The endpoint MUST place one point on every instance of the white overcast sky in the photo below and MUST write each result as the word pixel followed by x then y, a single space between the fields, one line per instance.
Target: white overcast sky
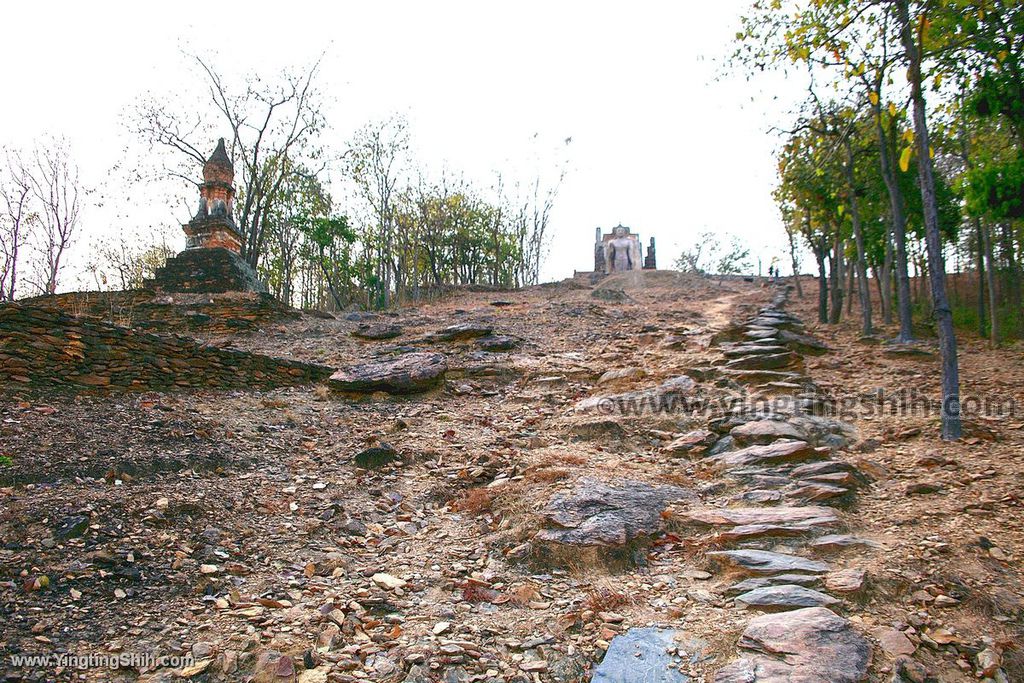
pixel 657 142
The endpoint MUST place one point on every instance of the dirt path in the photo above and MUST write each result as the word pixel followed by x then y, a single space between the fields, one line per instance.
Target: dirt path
pixel 235 531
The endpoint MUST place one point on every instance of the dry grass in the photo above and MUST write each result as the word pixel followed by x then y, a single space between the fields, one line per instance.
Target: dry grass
pixel 474 501
pixel 604 599
pixel 547 475
pixel 271 402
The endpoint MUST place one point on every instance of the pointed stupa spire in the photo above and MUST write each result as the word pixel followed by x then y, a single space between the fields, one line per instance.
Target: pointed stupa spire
pixel 218 168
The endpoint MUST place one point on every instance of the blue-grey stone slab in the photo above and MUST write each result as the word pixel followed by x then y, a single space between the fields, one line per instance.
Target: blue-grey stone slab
pixel 641 655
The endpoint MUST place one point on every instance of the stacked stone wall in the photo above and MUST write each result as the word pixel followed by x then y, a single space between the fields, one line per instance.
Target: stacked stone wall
pixel 145 309
pixel 46 347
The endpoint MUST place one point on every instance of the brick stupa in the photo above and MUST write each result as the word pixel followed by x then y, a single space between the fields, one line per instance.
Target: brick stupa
pixel 211 261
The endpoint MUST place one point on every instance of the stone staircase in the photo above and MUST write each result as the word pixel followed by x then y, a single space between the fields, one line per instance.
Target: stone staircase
pixel 780 512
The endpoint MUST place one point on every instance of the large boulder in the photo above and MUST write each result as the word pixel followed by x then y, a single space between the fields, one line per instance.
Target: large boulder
pixel 812 645
pixel 604 523
pixel 669 397
pixel 408 374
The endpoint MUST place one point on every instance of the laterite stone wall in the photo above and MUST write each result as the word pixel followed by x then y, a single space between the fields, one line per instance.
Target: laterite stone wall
pixel 46 347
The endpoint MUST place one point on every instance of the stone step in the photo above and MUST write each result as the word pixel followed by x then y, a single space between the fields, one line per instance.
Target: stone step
pixel 784 597
pixel 819 645
pixel 766 562
pixel 778 452
pixel 755 582
pixel 771 361
pixel 803 515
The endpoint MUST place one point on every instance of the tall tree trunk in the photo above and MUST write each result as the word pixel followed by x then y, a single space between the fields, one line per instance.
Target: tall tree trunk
pixel 885 282
pixel 951 426
pixel 858 238
pixel 1013 272
pixel 851 283
pixel 990 281
pixel 819 256
pixel 979 245
pixel 899 230
pixel 836 279
pixel 793 261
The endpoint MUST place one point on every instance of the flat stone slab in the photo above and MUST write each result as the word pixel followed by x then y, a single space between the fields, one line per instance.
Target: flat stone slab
pixel 765 432
pixel 667 398
pixel 762 376
pixel 756 582
pixel 815 469
pixel 814 492
pixel 802 343
pixel 377 332
pixel 766 562
pixel 408 374
pixel 808 515
pixel 774 453
pixel 760 333
pixel 811 645
pixel 698 439
pixel 622 373
pixel 462 331
pixel 784 597
pixel 841 541
pixel 498 343
pixel 779 322
pixel 750 532
pixel 641 655
pixel 849 580
pixel 771 361
pixel 741 350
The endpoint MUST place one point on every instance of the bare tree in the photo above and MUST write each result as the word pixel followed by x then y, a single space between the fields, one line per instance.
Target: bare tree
pixel 693 260
pixel 272 125
pixel 375 163
pixel 131 259
pixel 18 221
pixel 53 178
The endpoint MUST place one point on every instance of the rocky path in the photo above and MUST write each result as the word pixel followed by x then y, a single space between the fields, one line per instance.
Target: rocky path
pixel 770 509
pixel 552 486
pixel 788 469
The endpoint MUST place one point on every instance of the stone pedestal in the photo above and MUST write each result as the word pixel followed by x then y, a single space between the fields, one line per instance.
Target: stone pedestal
pixel 212 269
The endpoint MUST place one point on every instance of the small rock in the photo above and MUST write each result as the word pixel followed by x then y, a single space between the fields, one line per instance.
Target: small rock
pixel 894 642
pixel 377 456
pixel 922 488
pixel 72 527
pixel 388 582
pixel 849 580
